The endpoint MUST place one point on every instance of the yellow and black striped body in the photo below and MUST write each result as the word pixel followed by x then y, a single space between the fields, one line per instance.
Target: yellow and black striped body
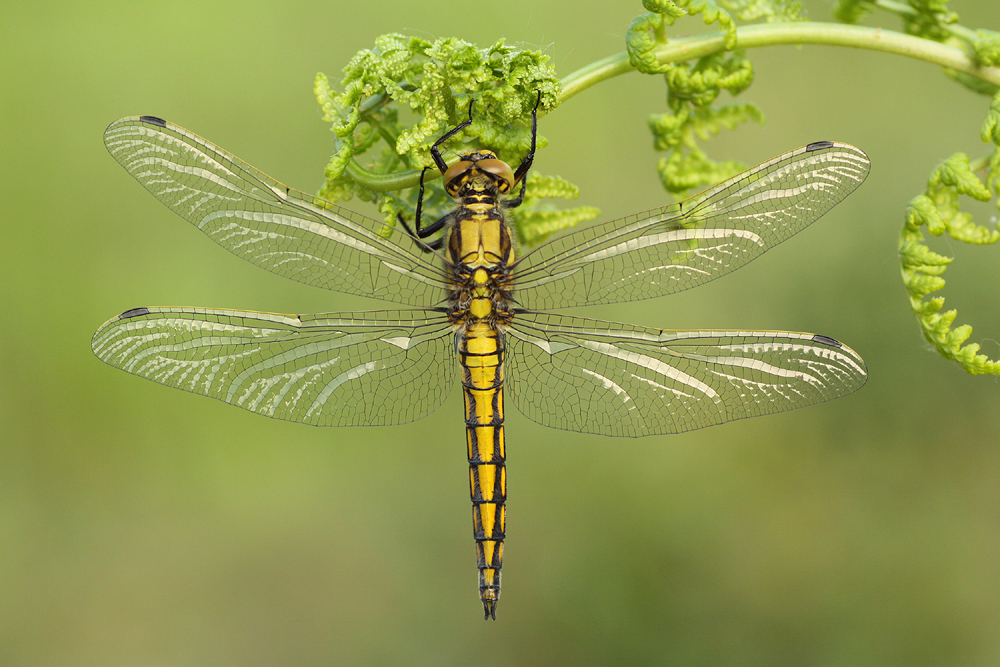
pixel 480 250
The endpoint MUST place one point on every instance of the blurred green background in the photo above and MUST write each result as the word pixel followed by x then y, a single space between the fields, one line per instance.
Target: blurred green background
pixel 144 526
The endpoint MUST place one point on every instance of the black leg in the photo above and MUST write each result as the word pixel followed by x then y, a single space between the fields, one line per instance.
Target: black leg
pixel 424 232
pixel 514 203
pixel 426 247
pixel 420 202
pixel 435 226
pixel 522 169
pixel 421 231
pixel 438 160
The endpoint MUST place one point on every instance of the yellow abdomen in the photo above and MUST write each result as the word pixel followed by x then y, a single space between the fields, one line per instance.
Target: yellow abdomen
pixel 481 354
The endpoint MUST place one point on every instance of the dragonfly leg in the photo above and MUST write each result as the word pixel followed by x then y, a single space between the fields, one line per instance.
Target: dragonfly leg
pixel 438 160
pixel 424 232
pixel 522 169
pixel 514 203
pixel 426 247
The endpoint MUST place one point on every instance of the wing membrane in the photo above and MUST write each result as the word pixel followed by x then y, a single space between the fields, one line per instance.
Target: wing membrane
pixel 261 220
pixel 623 380
pixel 690 243
pixel 342 369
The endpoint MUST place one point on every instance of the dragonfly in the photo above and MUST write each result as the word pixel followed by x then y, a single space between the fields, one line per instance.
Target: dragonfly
pixel 477 312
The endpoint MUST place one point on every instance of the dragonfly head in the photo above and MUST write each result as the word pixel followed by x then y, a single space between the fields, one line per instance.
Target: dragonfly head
pixel 481 171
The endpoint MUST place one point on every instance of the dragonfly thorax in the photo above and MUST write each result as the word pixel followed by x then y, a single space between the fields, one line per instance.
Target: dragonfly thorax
pixel 480 247
pixel 481 296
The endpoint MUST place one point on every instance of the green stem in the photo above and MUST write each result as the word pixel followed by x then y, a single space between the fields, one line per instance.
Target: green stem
pixel 748 37
pixel 780 34
pixel 396 180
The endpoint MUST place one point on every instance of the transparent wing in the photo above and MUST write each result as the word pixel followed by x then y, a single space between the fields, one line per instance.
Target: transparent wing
pixel 342 369
pixel 618 379
pixel 285 231
pixel 692 242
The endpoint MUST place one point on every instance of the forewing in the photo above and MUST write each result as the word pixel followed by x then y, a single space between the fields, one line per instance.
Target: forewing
pixel 692 242
pixel 342 369
pixel 623 380
pixel 285 231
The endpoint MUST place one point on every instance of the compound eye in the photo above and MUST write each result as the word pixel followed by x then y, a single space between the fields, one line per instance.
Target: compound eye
pixel 455 172
pixel 501 169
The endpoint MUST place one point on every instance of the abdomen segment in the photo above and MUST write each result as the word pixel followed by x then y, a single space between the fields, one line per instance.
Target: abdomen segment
pixel 481 351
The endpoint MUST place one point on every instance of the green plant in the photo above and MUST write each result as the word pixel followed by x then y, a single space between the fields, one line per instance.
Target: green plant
pixel 404 92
